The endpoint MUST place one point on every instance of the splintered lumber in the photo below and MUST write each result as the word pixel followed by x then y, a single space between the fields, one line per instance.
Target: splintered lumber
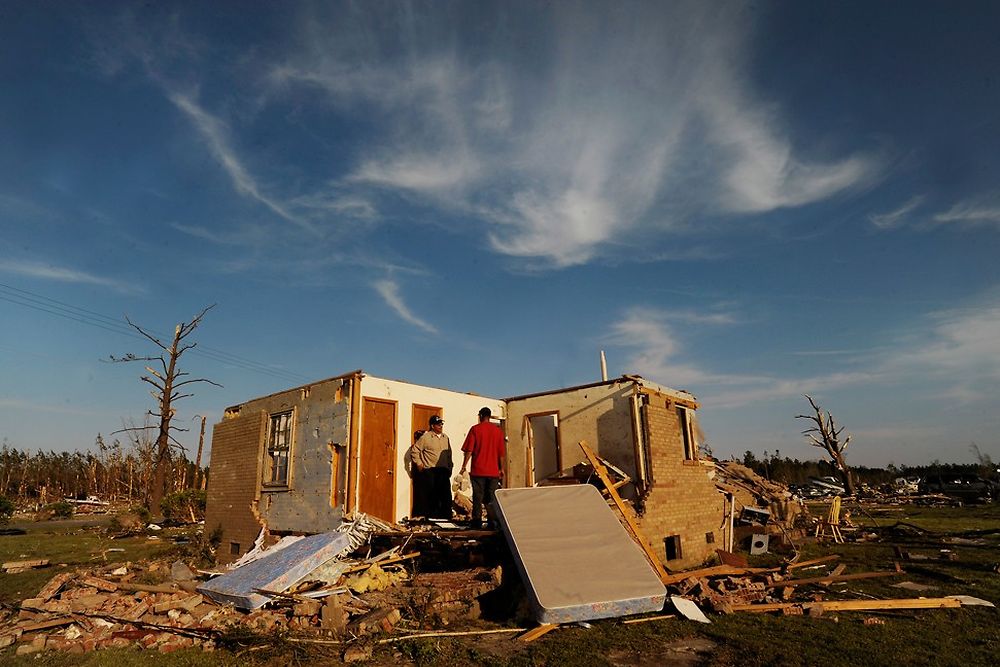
pixel 837 571
pixel 360 567
pixel 45 625
pixel 626 512
pixel 853 605
pixel 534 633
pixel 807 563
pixel 647 619
pixel 714 571
pixel 830 579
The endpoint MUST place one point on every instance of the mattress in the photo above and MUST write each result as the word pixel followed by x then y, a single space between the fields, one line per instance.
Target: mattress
pixel 576 559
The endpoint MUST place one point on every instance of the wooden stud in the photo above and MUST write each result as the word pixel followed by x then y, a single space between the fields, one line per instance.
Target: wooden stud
pixel 534 633
pixel 625 512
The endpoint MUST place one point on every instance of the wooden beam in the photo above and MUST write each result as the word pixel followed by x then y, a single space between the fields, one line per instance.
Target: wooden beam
pixel 853 605
pixel 625 512
pixel 873 605
pixel 534 633
pixel 814 561
pixel 714 571
pixel 830 579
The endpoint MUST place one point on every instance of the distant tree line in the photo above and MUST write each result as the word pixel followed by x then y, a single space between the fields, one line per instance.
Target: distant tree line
pixel 117 473
pixel 787 470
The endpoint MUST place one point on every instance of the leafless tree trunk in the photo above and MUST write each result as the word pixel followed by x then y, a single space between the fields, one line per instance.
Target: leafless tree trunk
pixel 167 383
pixel 826 435
pixel 196 479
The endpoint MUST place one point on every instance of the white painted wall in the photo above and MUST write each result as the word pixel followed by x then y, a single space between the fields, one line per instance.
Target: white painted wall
pixel 460 412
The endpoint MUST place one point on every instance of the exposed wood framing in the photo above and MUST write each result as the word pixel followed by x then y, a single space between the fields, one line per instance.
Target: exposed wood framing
pixel 624 511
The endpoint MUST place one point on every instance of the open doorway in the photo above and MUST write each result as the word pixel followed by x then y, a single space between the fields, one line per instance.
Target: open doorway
pixel 543 443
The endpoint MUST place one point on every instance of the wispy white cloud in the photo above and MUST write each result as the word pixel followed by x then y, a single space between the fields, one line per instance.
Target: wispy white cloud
pixel 63 274
pixel 896 217
pixel 389 291
pixel 628 125
pixel 956 358
pixel 974 212
pixel 215 134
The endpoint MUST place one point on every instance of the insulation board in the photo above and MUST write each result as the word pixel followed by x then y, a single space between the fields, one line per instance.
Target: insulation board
pixel 577 561
pixel 274 572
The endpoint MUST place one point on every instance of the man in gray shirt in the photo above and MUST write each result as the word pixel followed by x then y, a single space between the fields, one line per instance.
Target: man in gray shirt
pixel 432 461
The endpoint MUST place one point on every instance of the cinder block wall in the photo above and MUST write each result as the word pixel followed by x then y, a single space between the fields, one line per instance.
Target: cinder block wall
pixel 683 500
pixel 233 484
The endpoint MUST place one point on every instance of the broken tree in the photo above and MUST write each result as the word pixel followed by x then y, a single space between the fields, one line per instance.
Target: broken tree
pixel 167 385
pixel 826 435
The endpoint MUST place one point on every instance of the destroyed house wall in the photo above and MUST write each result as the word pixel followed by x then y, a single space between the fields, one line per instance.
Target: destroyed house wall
pixel 459 410
pixel 683 510
pixel 233 486
pixel 600 414
pixel 312 499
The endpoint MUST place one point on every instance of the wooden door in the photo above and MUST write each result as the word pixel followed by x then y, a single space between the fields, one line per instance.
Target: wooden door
pixel 422 415
pixel 378 458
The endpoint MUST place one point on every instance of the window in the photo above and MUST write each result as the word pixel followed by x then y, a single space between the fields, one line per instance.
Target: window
pixel 686 424
pixel 279 442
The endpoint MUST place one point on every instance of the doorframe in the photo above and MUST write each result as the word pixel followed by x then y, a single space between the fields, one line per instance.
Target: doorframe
pixel 395 447
pixel 531 442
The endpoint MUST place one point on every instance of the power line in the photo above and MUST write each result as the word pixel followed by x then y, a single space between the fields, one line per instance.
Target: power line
pixel 57 308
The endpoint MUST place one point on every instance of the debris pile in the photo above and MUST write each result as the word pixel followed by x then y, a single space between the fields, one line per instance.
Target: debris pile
pixel 342 598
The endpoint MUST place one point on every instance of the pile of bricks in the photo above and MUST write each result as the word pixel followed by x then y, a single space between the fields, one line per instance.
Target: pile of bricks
pixel 83 611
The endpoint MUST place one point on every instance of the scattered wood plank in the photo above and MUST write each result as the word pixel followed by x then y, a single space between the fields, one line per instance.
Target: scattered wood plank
pixel 534 633
pixel 658 617
pixel 714 571
pixel 829 579
pixel 360 567
pixel 852 605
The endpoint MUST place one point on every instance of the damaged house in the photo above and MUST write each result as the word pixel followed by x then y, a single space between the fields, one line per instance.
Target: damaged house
pixel 298 460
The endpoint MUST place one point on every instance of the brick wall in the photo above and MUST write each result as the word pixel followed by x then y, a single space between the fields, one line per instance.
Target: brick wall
pixel 234 483
pixel 683 500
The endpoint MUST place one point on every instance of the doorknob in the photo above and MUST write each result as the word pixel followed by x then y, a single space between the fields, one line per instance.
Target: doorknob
pixel 389 471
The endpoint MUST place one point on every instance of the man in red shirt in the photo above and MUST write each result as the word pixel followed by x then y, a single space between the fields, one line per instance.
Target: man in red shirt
pixel 485 447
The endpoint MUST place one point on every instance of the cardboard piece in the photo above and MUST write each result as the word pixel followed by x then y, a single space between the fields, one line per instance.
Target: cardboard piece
pixel 575 557
pixel 274 572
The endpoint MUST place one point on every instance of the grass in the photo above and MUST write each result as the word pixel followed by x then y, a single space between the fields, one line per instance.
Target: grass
pixel 68 545
pixel 965 636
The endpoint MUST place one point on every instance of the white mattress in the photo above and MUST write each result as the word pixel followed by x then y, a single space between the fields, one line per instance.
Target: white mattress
pixel 576 559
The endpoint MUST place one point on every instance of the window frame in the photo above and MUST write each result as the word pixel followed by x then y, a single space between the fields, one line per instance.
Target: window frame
pixel 686 425
pixel 268 481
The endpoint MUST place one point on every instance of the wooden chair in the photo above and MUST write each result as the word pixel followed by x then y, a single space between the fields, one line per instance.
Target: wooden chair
pixel 831 523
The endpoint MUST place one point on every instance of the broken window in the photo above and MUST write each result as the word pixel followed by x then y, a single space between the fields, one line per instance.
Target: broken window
pixel 686 422
pixel 279 442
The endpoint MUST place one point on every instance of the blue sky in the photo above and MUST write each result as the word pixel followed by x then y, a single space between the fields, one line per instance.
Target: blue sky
pixel 747 201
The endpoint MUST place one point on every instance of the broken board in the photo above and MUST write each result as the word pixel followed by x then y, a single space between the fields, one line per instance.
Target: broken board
pixel 577 561
pixel 274 572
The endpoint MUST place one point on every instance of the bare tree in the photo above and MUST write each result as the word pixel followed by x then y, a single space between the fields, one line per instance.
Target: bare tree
pixel 826 435
pixel 167 382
